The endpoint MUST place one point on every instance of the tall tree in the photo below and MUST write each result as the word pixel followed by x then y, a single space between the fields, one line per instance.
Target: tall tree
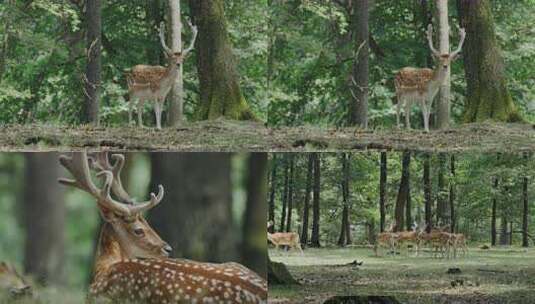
pixel 254 245
pixel 403 192
pixel 291 182
pixel 44 218
pixel 220 90
pixel 427 192
pixel 359 106
pixel 93 67
pixel 315 240
pixel 382 191
pixel 284 193
pixel 487 94
pixel 442 203
pixel 525 208
pixel 176 104
pixel 408 210
pixel 452 194
pixel 202 202
pixel 443 105
pixel 493 214
pixel 272 192
pixel 345 236
pixel 306 206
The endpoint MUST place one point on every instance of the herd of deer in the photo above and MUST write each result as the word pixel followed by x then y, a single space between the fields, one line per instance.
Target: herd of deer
pixel 443 244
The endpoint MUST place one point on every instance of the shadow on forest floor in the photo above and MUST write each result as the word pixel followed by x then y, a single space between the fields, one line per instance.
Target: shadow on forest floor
pixel 503 275
pixel 222 135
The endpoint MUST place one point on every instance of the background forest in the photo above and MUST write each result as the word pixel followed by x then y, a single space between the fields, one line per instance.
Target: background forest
pixel 312 46
pixel 49 230
pixel 348 198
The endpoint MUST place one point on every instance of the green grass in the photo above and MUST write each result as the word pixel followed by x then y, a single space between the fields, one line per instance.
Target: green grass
pixel 504 275
pixel 50 295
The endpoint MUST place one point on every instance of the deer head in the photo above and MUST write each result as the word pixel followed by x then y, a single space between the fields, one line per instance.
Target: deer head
pixel 444 60
pixel 133 234
pixel 177 58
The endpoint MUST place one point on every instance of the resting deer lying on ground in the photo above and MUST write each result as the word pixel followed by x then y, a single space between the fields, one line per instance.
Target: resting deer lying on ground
pixel 132 264
pixel 416 85
pixel 12 283
pixel 290 239
pixel 147 82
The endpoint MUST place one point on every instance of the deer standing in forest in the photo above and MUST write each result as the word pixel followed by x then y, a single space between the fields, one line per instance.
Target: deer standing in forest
pixel 147 82
pixel 421 85
pixel 12 283
pixel 132 263
pixel 290 239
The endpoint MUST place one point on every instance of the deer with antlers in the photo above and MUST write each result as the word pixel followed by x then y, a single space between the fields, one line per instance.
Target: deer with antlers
pixel 290 239
pixel 153 83
pixel 421 85
pixel 132 262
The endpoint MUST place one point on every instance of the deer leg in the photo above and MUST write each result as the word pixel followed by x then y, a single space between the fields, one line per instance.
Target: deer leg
pixel 398 110
pixel 130 109
pixel 158 113
pixel 425 113
pixel 408 114
pixel 140 105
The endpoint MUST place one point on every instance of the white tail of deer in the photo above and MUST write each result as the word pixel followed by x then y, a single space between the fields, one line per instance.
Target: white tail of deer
pixel 147 82
pixel 416 85
pixel 290 239
pixel 132 263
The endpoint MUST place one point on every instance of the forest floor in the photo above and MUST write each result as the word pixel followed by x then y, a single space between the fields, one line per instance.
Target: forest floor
pixel 48 295
pixel 502 275
pixel 222 135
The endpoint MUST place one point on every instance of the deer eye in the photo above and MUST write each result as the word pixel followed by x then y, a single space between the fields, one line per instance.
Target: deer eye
pixel 139 232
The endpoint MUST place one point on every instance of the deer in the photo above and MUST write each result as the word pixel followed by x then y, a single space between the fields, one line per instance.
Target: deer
pixel 147 82
pixel 132 263
pixel 440 241
pixel 421 85
pixel 386 240
pixel 290 239
pixel 12 283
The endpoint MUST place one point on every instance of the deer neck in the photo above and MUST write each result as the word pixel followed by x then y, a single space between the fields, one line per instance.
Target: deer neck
pixel 171 74
pixel 439 74
pixel 109 250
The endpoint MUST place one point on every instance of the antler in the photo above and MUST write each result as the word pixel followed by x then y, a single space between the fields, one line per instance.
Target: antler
pixel 79 167
pixel 167 50
pixel 430 40
pixel 194 31
pixel 462 33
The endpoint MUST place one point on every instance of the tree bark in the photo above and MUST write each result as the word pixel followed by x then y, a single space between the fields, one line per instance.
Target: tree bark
pixel 359 108
pixel 525 208
pixel 44 218
pixel 487 93
pixel 254 245
pixel 442 203
pixel 408 209
pixel 306 207
pixel 176 98
pixel 382 191
pixel 443 105
pixel 344 229
pixel 403 192
pixel 284 193
pixel 220 92
pixel 291 182
pixel 493 216
pixel 427 193
pixel 452 194
pixel 272 192
pixel 315 240
pixel 197 203
pixel 93 68
pixel 504 240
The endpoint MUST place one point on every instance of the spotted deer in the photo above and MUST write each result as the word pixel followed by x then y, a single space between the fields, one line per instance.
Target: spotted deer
pixel 12 284
pixel 147 82
pixel 421 85
pixel 132 263
pixel 290 239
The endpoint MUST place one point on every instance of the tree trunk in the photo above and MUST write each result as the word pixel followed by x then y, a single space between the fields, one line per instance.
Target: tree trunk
pixel 44 218
pixel 93 68
pixel 427 193
pixel 220 93
pixel 284 193
pixel 487 93
pixel 347 180
pixel 493 216
pixel 197 203
pixel 359 108
pixel 306 207
pixel 291 183
pixel 503 232
pixel 254 249
pixel 442 203
pixel 525 209
pixel 403 192
pixel 408 209
pixel 382 190
pixel 443 105
pixel 344 238
pixel 176 99
pixel 153 10
pixel 272 192
pixel 315 240
pixel 452 194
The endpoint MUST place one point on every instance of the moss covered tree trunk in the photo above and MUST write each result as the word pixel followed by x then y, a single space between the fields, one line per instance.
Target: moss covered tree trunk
pixel 487 93
pixel 218 76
